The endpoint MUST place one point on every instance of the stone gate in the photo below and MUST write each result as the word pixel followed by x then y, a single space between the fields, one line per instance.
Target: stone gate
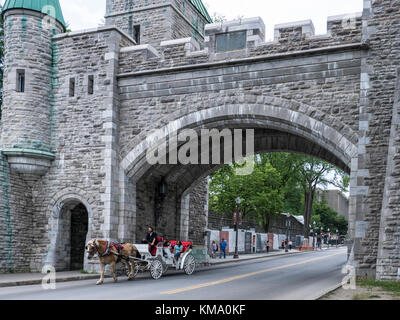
pixel 80 109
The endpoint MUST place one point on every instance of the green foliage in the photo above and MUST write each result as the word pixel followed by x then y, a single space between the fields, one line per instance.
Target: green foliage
pixel 391 286
pixel 260 192
pixel 217 18
pixel 327 218
pixel 280 182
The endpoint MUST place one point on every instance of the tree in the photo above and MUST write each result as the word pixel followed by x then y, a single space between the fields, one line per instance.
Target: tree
pixel 296 181
pixel 327 218
pixel 218 18
pixel 259 192
pixel 287 165
pixel 268 200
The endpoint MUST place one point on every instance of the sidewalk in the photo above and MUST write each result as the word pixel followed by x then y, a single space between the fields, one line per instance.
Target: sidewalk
pixel 246 257
pixel 23 279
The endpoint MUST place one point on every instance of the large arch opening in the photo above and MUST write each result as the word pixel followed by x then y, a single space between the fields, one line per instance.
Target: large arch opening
pixel 182 211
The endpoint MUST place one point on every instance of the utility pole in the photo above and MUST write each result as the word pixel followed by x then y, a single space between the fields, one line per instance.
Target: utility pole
pixel 236 255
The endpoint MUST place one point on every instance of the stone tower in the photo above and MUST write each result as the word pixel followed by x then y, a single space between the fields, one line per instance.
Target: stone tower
pixel 27 109
pixel 150 22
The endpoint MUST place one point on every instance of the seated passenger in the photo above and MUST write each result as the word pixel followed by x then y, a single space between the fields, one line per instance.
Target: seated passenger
pixel 178 249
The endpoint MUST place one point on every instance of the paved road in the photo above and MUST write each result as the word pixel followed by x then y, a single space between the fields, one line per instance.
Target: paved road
pixel 300 276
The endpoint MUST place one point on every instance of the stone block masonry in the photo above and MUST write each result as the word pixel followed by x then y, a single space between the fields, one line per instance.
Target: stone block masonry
pixel 78 136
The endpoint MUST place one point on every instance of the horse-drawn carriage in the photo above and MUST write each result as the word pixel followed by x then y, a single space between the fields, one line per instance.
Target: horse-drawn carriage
pixel 161 258
pixel 137 257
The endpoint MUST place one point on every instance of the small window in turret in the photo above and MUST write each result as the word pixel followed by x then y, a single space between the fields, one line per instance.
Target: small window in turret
pixel 20 80
pixel 72 87
pixel 90 84
pixel 136 34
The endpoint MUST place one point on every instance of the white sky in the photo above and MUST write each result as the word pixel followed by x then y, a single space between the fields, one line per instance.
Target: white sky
pixel 84 14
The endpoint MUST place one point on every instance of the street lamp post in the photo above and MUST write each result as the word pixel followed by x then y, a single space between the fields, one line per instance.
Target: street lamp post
pixel 236 255
pixel 314 238
pixel 329 237
pixel 287 233
pixel 337 238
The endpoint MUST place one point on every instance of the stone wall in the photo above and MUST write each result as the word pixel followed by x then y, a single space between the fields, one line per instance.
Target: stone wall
pixel 198 213
pixel 164 213
pixel 380 144
pixel 331 96
pixel 84 141
pixel 16 221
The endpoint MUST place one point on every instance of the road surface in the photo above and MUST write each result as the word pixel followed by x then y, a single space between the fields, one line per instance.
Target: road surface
pixel 298 276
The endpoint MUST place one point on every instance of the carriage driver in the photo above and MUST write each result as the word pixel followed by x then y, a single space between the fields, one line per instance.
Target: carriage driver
pixel 151 238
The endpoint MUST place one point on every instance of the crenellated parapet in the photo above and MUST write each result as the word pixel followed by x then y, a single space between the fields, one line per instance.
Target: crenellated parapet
pixel 240 39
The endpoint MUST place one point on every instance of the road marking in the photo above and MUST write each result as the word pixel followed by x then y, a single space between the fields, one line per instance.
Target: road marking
pixel 213 283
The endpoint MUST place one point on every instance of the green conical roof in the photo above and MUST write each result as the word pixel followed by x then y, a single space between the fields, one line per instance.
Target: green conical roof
pixel 37 5
pixel 200 6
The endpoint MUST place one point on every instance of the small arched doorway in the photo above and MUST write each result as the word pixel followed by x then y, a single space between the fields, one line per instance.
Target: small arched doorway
pixel 70 230
pixel 79 229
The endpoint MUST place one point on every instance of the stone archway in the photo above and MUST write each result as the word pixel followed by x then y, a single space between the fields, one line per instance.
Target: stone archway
pixel 70 225
pixel 276 129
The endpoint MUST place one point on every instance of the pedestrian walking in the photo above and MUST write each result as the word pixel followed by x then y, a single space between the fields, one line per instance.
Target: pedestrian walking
pixel 290 245
pixel 214 248
pixel 267 245
pixel 319 242
pixel 223 246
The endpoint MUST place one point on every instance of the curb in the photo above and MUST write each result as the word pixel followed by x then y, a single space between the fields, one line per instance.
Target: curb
pixel 333 288
pixel 39 281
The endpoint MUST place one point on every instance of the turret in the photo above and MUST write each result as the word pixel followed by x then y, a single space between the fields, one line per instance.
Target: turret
pixel 27 111
pixel 158 20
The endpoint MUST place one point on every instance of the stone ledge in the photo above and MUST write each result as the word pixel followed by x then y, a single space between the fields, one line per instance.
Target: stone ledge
pixel 28 153
pixel 188 42
pixel 351 46
pixel 150 50
pixel 30 163
pixel 93 30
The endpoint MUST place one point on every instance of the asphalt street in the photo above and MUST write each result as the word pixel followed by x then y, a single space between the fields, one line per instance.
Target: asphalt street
pixel 301 276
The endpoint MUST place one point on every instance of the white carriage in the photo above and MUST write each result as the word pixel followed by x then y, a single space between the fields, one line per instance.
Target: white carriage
pixel 161 259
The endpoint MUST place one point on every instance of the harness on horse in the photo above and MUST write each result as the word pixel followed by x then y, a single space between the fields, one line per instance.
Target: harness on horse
pixel 108 250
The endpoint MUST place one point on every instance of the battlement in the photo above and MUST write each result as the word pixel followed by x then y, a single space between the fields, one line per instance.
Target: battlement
pixel 240 39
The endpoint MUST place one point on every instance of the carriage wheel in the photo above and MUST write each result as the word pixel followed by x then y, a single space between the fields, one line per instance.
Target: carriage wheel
pixel 164 265
pixel 156 269
pixel 165 269
pixel 189 265
pixel 135 270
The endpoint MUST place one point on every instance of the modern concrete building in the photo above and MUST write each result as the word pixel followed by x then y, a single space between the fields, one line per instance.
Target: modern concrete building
pixel 336 200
